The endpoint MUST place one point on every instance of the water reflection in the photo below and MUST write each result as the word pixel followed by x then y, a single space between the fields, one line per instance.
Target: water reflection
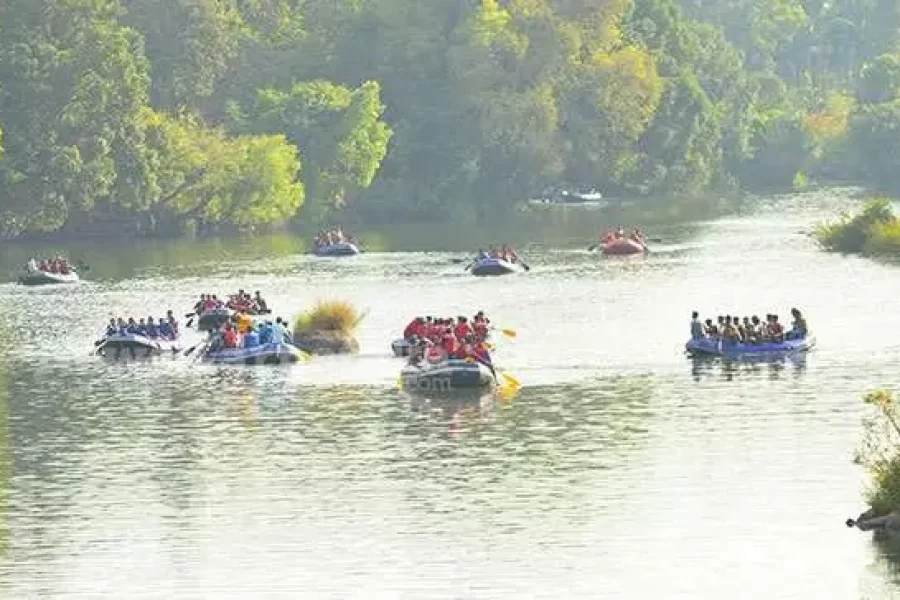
pixel 773 367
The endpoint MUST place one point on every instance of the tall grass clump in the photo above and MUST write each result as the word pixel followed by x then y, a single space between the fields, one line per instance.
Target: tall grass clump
pixel 334 316
pixel 879 453
pixel 875 230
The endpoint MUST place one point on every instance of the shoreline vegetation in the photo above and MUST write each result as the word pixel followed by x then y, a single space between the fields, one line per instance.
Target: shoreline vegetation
pixel 879 454
pixel 875 230
pixel 202 117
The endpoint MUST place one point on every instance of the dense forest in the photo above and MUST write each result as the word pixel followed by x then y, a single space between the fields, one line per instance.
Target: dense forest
pixel 172 116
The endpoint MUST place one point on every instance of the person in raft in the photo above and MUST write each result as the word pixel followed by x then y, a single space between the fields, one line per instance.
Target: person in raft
pixel 748 330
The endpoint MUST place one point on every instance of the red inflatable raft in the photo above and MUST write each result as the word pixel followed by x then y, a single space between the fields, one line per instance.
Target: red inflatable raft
pixel 622 247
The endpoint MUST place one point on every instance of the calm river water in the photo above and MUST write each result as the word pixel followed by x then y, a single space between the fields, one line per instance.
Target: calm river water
pixel 621 470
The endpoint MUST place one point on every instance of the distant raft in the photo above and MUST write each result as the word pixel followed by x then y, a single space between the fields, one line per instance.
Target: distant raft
pixel 710 347
pixel 48 278
pixel 340 249
pixel 132 345
pixel 447 376
pixel 622 247
pixel 495 266
pixel 266 354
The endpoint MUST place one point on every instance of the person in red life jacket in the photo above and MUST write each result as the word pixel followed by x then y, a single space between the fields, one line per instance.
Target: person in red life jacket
pixel 415 329
pixel 435 354
pixel 463 329
pixel 451 345
pixel 230 336
pixel 480 326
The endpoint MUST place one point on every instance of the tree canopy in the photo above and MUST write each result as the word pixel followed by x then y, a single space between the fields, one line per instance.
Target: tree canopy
pixel 166 116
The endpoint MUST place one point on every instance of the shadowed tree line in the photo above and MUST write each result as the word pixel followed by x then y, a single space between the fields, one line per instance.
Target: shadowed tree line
pixel 176 116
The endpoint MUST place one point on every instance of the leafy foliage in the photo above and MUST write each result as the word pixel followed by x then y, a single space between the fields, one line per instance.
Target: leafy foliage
pixel 193 114
pixel 879 452
pixel 875 230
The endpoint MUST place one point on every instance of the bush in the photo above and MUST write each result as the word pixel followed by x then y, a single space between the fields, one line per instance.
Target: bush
pixel 337 316
pixel 880 453
pixel 875 230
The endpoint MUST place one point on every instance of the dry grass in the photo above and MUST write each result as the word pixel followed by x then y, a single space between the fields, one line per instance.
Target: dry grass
pixel 334 315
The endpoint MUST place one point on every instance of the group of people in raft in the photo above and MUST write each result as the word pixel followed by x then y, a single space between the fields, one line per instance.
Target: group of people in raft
pixel 504 253
pixel 335 235
pixel 52 265
pixel 166 328
pixel 636 235
pixel 241 302
pixel 242 332
pixel 749 330
pixel 435 339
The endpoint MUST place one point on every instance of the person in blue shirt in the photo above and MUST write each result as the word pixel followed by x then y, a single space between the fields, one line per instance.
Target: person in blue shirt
pixel 251 339
pixel 165 330
pixel 132 326
pixel 277 333
pixel 265 333
pixel 285 332
pixel 151 330
pixel 112 328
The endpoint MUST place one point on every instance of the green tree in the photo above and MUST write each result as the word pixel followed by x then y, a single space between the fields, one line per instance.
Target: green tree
pixel 339 130
pixel 73 82
pixel 189 44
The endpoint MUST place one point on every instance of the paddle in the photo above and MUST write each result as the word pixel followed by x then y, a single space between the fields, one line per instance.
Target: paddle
pixel 511 380
pixel 190 350
pixel 507 332
pixel 524 264
pixel 80 265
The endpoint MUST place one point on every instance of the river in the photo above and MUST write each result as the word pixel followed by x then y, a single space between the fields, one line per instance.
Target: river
pixel 621 469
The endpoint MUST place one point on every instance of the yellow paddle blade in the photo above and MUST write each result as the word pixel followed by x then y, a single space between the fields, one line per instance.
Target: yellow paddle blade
pixel 306 355
pixel 400 382
pixel 509 332
pixel 490 346
pixel 511 380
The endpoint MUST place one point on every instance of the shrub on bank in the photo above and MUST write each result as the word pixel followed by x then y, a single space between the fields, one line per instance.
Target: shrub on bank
pixel 880 453
pixel 875 230
pixel 336 316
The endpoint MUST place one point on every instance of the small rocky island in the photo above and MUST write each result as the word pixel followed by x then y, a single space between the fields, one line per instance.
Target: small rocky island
pixel 328 328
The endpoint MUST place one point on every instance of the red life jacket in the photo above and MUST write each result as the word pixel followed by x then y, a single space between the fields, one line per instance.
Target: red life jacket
pixel 463 330
pixel 411 330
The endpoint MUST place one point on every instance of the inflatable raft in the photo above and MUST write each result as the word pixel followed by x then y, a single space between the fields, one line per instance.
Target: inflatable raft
pixel 213 319
pixel 710 347
pixel 47 278
pixel 447 376
pixel 495 266
pixel 267 354
pixel 622 247
pixel 129 345
pixel 342 249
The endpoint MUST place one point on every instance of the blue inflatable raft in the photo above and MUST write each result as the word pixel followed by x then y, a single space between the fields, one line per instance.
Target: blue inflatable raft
pixel 130 345
pixel 495 266
pixel 342 249
pixel 447 376
pixel 267 354
pixel 711 347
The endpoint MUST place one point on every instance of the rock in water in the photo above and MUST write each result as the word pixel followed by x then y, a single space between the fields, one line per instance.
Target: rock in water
pixel 325 342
